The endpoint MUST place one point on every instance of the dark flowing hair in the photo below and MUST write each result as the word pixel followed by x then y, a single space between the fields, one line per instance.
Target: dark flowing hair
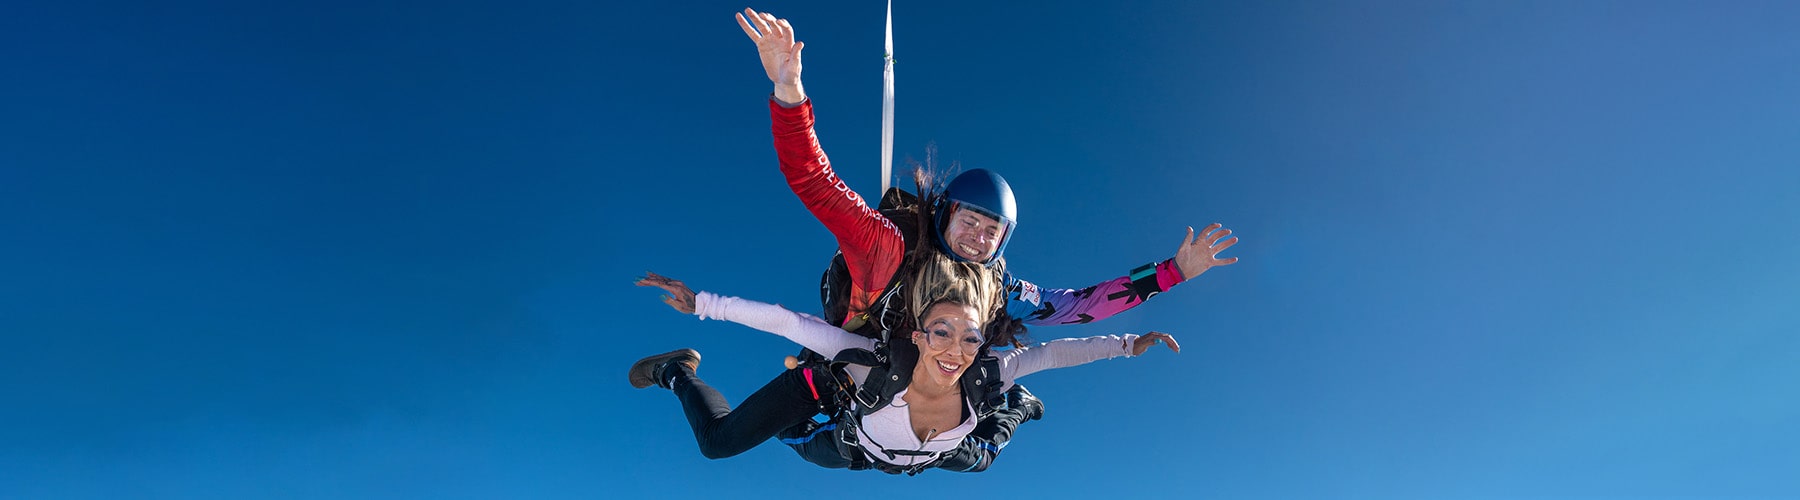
pixel 938 278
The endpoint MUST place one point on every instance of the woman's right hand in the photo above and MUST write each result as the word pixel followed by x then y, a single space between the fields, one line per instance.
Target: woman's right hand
pixel 680 296
pixel 779 51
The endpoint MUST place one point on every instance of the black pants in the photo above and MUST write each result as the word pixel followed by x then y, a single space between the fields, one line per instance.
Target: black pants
pixel 724 432
pixel 785 406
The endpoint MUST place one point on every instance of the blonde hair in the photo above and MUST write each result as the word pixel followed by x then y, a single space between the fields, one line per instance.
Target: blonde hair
pixel 937 279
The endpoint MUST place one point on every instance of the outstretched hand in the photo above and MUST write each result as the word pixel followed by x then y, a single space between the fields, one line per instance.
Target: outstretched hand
pixel 1197 254
pixel 1144 342
pixel 779 51
pixel 680 296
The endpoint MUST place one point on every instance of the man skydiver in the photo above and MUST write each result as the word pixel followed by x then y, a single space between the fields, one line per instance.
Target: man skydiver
pixel 972 221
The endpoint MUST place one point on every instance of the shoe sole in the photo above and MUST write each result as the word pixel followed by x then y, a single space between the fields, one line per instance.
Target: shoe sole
pixel 646 366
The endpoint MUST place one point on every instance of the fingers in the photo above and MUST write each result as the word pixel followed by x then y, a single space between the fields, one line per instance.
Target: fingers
pixel 1170 340
pixel 1215 235
pixel 1211 234
pixel 770 25
pixel 650 279
pixel 1214 244
pixel 763 27
pixel 682 306
pixel 745 24
pixel 663 282
pixel 762 20
pixel 1163 338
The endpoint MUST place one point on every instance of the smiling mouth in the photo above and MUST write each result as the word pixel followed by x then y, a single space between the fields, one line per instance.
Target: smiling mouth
pixel 969 250
pixel 948 368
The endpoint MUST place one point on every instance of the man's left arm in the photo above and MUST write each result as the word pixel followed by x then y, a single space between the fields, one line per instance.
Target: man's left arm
pixel 1062 306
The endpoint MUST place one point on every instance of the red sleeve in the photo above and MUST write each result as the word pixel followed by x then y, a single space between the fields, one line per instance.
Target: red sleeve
pixel 872 246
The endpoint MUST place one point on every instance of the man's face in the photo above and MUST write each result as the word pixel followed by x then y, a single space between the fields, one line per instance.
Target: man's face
pixel 972 235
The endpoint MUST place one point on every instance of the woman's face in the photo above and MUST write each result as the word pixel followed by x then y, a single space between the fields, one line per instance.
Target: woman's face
pixel 947 342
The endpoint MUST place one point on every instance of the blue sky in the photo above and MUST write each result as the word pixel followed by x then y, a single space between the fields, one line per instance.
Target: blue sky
pixel 384 249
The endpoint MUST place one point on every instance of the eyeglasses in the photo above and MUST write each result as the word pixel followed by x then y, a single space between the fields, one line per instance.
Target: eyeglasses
pixel 941 335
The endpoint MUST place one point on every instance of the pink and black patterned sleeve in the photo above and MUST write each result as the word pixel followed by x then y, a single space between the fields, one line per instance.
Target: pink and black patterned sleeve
pixel 1063 306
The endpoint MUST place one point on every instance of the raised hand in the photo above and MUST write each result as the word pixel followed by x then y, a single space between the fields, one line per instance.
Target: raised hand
pixel 1197 254
pixel 680 296
pixel 779 51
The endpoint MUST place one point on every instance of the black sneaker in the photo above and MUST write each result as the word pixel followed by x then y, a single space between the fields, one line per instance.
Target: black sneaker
pixel 1022 400
pixel 649 371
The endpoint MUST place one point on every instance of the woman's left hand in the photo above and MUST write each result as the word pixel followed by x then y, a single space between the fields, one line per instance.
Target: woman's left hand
pixel 1144 342
pixel 680 296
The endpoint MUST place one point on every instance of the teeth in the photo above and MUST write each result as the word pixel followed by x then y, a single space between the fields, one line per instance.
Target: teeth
pixel 948 368
pixel 969 250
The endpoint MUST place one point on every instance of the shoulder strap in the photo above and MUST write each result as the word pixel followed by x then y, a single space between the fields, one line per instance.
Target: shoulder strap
pixel 899 207
pixel 887 377
pixel 834 290
pixel 981 385
pixel 895 197
pixel 884 314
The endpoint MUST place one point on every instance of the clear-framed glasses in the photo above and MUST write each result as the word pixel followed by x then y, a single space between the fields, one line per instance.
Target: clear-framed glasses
pixel 945 334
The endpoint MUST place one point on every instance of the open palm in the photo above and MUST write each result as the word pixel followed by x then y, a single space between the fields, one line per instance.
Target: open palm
pixel 775 44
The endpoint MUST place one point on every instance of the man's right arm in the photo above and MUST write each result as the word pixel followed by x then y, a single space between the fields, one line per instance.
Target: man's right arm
pixel 872 246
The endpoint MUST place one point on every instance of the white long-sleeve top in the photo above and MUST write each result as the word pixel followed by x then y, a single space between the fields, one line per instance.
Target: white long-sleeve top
pixel 891 426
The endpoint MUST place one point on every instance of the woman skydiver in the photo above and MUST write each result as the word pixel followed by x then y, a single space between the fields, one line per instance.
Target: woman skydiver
pixel 929 408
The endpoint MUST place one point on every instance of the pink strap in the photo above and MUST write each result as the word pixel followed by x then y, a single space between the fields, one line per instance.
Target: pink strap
pixel 810 385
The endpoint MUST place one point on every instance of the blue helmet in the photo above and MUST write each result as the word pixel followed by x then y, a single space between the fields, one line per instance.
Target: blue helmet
pixel 985 193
